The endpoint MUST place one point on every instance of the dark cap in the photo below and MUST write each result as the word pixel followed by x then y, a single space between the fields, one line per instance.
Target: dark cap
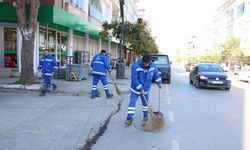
pixel 103 51
pixel 146 58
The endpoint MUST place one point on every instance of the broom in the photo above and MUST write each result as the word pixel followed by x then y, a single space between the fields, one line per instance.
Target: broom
pixel 156 121
pixel 118 91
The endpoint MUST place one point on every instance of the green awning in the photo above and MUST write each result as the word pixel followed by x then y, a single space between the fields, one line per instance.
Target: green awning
pixel 52 15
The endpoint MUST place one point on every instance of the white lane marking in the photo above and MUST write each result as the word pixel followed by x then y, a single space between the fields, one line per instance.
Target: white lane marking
pixel 168 100
pixel 175 145
pixel 167 89
pixel 171 116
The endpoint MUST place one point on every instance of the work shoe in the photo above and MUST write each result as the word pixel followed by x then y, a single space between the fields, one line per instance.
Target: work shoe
pixel 42 94
pixel 54 87
pixel 110 96
pixel 128 122
pixel 145 120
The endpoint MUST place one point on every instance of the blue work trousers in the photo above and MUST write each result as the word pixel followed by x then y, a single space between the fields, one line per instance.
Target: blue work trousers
pixel 132 104
pixel 46 83
pixel 104 81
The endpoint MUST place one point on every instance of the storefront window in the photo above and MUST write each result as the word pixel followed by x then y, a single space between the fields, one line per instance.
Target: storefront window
pixel 10 47
pixel 62 44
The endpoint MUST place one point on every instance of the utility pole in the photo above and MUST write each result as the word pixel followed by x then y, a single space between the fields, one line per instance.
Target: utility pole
pixel 120 72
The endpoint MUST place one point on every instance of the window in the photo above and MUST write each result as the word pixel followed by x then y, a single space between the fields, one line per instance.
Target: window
pixel 10 39
pixel 160 59
pixel 230 15
pixel 240 10
pixel 78 3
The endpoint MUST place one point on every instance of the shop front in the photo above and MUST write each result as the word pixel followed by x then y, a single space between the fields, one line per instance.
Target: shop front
pixel 55 41
pixel 9 46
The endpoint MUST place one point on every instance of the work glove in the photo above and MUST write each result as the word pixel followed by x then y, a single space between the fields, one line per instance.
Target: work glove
pixel 142 92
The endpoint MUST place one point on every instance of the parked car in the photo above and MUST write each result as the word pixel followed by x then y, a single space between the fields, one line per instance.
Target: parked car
pixel 209 75
pixel 163 64
pixel 244 74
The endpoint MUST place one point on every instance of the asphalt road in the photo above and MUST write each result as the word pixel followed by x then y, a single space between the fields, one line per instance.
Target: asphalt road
pixel 197 119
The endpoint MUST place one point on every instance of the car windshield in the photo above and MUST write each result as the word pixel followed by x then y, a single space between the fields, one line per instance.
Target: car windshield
pixel 210 68
pixel 160 59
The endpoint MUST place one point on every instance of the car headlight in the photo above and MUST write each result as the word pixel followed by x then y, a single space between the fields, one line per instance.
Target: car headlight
pixel 203 77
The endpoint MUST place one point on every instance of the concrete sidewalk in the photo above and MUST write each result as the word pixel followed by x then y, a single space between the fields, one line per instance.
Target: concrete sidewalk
pixel 67 119
pixel 67 87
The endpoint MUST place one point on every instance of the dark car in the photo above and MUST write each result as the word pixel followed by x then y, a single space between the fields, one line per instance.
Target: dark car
pixel 163 64
pixel 209 75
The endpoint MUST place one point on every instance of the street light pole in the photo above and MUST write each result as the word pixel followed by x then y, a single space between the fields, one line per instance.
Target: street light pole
pixel 120 72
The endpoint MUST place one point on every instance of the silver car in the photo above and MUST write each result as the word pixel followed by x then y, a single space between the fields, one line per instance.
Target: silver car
pixel 244 74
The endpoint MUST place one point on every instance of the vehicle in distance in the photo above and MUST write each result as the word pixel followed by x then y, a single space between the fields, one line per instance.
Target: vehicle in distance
pixel 209 75
pixel 163 64
pixel 244 74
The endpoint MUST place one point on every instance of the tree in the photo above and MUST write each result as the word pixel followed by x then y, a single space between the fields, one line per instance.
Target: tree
pixel 135 36
pixel 28 29
pixel 231 49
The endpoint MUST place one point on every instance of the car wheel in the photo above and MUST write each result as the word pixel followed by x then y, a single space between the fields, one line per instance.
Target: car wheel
pixel 190 81
pixel 168 81
pixel 227 89
pixel 197 84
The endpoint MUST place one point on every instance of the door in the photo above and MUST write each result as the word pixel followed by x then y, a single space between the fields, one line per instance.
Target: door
pixel 10 47
pixel 1 48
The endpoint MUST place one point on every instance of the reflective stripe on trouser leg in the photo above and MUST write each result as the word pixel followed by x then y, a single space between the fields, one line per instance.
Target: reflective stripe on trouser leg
pixel 46 83
pixel 144 105
pixel 94 86
pixel 131 106
pixel 105 84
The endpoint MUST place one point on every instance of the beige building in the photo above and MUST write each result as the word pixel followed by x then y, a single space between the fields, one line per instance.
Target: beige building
pixel 66 27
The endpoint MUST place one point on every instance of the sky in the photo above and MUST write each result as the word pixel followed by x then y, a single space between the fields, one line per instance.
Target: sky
pixel 173 21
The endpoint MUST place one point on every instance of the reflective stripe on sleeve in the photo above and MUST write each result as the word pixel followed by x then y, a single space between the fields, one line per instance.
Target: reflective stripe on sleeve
pixel 139 69
pixel 157 80
pixel 138 87
pixel 151 69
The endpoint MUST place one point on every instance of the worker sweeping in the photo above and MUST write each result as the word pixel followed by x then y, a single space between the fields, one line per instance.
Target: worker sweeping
pixel 143 72
pixel 100 64
pixel 48 65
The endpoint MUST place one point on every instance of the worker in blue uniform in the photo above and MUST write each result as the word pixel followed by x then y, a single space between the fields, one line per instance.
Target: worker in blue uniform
pixel 100 65
pixel 48 65
pixel 143 72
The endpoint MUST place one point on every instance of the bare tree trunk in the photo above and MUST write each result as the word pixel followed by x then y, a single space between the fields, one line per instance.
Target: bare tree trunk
pixel 28 30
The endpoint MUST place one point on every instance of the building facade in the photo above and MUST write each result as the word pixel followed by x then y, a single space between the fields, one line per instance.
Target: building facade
pixel 233 19
pixel 65 27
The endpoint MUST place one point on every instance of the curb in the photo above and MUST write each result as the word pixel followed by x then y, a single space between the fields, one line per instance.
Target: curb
pixel 33 87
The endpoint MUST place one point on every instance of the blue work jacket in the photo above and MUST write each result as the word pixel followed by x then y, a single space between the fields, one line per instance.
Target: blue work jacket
pixel 142 77
pixel 48 65
pixel 100 64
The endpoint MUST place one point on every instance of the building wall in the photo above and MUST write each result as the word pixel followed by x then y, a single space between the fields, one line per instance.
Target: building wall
pixel 58 3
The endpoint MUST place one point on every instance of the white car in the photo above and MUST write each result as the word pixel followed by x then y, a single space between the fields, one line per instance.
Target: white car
pixel 244 74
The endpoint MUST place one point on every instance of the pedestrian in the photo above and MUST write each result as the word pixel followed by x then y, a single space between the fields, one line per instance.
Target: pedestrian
pixel 143 72
pixel 100 65
pixel 48 65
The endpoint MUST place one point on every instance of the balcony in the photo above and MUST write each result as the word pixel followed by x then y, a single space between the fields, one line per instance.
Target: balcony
pixel 96 14
pixel 76 8
pixel 93 12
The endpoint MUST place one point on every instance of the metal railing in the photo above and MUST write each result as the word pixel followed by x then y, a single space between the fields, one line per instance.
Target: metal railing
pixel 95 13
